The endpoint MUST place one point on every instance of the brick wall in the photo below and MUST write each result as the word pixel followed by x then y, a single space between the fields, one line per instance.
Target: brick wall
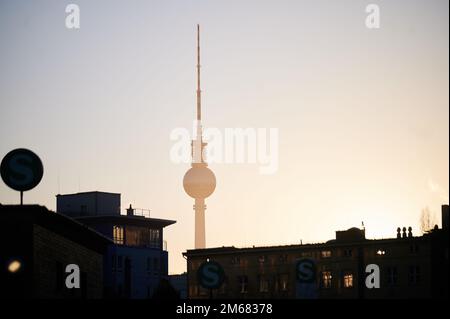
pixel 51 254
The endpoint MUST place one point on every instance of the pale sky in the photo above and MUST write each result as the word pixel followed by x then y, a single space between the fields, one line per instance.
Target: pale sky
pixel 363 114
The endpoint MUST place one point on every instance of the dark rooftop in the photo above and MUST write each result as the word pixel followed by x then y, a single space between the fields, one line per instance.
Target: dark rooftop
pixel 126 220
pixel 57 223
pixel 90 192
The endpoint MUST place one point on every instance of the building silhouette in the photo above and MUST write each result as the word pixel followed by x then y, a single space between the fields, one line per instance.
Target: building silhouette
pixel 36 246
pixel 137 260
pixel 410 267
pixel 179 283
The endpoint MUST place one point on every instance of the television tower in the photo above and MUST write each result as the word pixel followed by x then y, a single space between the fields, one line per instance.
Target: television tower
pixel 199 181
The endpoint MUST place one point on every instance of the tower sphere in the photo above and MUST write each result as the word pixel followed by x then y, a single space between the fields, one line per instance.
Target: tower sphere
pixel 199 182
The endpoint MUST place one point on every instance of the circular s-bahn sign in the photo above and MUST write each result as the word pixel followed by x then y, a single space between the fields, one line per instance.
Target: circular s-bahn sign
pixel 306 270
pixel 210 275
pixel 21 169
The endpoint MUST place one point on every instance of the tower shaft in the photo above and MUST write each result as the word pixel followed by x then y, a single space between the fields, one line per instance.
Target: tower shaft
pixel 199 208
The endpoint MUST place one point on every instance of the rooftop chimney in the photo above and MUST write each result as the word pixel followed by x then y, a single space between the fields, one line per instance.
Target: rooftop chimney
pixel 130 211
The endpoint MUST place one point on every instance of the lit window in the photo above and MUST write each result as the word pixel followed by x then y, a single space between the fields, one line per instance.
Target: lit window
pixel 263 284
pixel 118 235
pixel 348 280
pixel 284 279
pixel 326 279
pixel 243 284
pixel 325 253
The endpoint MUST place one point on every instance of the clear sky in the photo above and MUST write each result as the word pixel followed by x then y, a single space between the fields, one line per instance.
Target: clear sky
pixel 363 114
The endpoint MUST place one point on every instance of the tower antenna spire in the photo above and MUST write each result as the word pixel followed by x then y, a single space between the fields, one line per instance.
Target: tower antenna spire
pixel 199 92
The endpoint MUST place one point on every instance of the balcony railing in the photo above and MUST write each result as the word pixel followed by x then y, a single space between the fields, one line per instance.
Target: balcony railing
pixel 138 212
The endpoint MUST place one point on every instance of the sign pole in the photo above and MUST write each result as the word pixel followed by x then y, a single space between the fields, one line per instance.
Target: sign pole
pixel 21 198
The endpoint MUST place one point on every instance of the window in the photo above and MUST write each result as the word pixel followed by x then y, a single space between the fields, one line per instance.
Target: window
pixel 348 280
pixel 326 279
pixel 113 262
pixel 118 235
pixel 223 288
pixel 243 284
pixel 263 284
pixel 347 253
pixel 325 253
pixel 155 265
pixel 306 254
pixel 414 248
pixel 235 260
pixel 149 264
pixel 119 263
pixel 261 259
pixel 413 275
pixel 392 276
pixel 154 241
pixel 203 291
pixel 283 259
pixel 283 282
pixel 193 291
pixel 143 237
